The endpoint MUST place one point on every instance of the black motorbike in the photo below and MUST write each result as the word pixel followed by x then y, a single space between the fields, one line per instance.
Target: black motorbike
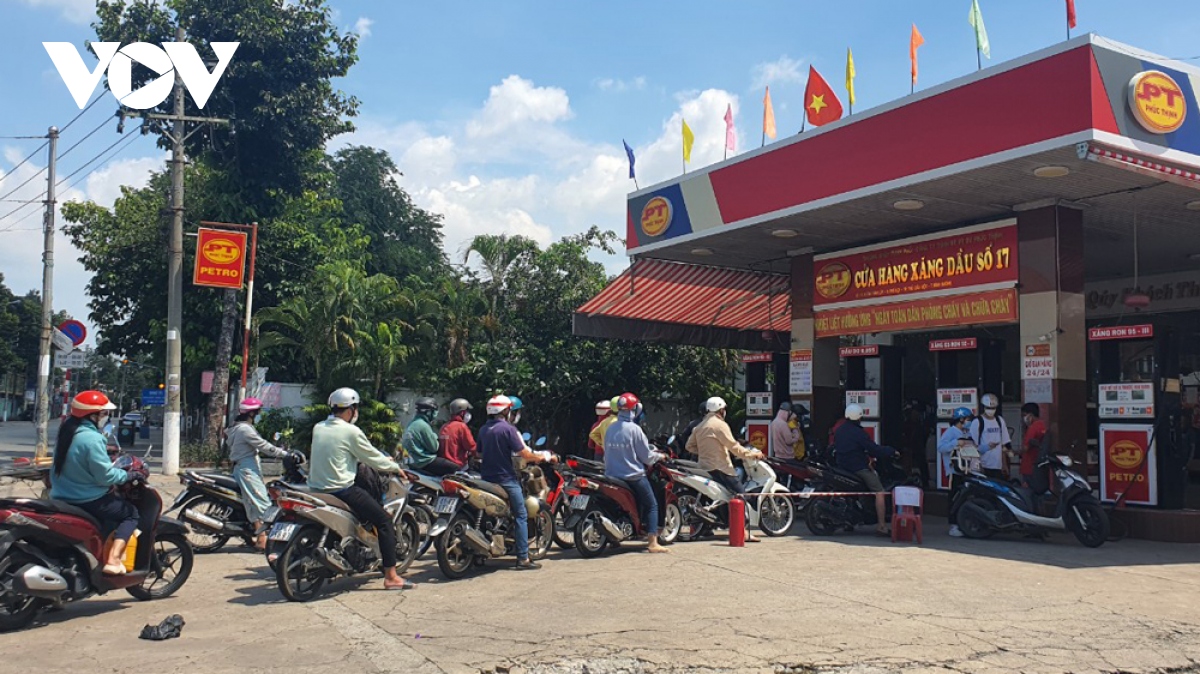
pixel 826 515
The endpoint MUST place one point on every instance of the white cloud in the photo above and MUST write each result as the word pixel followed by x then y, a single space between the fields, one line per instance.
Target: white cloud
pixel 363 27
pixel 516 102
pixel 75 11
pixel 785 70
pixel 619 85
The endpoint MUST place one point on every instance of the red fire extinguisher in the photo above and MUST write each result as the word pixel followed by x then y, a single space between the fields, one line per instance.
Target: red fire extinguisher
pixel 737 522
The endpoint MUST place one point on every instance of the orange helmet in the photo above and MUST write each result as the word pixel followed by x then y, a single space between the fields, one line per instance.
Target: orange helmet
pixel 90 402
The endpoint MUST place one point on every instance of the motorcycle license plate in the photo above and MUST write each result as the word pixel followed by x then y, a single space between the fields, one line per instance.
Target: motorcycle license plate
pixel 580 502
pixel 808 490
pixel 271 514
pixel 445 504
pixel 282 531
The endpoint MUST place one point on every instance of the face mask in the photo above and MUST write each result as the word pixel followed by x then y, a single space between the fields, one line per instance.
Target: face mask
pixel 257 418
pixel 354 419
pixel 989 413
pixel 102 421
pixel 466 418
pixel 516 418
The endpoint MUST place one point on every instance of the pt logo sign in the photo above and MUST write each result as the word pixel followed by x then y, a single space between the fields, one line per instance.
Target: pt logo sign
pixel 118 61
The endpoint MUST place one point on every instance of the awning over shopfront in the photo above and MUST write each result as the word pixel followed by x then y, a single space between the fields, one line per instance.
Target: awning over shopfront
pixel 660 301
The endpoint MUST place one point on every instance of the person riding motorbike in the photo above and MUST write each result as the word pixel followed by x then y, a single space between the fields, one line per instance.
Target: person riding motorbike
pixel 83 474
pixel 627 453
pixel 686 435
pixel 853 447
pixel 337 448
pixel 596 437
pixel 500 443
pixel 420 441
pixel 603 411
pixel 953 438
pixel 784 434
pixel 245 446
pixel 456 445
pixel 991 435
pixel 713 442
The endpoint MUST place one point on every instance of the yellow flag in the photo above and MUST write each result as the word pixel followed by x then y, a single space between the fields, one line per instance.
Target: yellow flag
pixel 689 139
pixel 768 116
pixel 850 75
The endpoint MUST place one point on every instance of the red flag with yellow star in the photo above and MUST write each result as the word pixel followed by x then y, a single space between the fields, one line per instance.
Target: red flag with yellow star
pixel 821 105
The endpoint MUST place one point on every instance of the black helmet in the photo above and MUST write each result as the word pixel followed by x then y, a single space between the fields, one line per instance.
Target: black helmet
pixel 426 405
pixel 458 405
pixel 704 407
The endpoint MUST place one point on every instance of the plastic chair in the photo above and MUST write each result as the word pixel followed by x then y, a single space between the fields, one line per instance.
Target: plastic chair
pixel 907 504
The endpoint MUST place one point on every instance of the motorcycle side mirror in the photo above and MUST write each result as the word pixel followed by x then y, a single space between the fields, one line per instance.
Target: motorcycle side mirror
pixel 108 429
pixel 671 440
pixel 540 441
pixel 526 436
pixel 277 436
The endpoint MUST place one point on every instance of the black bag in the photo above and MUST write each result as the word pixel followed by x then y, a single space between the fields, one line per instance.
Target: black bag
pixel 371 481
pixel 169 628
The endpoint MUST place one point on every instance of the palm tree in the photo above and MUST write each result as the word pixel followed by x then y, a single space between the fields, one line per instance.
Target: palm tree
pixel 499 254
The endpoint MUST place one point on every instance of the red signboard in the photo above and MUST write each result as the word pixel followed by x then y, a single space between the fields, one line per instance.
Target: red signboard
pixel 758 433
pixel 220 258
pixel 757 357
pixel 996 306
pixel 859 351
pixel 957 260
pixel 964 344
pixel 1128 464
pixel 1121 332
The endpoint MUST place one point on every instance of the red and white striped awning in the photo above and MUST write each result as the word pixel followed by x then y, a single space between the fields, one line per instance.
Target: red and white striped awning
pixel 1142 165
pixel 657 300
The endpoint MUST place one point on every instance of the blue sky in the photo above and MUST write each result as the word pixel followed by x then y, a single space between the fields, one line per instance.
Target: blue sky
pixel 508 116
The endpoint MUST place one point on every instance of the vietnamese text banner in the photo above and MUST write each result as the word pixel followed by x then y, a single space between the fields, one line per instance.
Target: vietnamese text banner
pixel 997 306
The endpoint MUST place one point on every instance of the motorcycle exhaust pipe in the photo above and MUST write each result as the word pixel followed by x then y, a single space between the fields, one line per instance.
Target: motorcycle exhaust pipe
pixel 614 532
pixel 333 560
pixel 477 541
pixel 38 581
pixel 200 519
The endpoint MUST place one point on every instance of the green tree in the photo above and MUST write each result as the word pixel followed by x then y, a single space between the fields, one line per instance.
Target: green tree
pixel 499 254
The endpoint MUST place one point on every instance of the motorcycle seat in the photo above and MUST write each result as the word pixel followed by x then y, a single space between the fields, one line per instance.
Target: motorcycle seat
pixel 328 499
pixel 52 506
pixel 490 487
pixel 614 480
pixel 219 479
pixel 690 466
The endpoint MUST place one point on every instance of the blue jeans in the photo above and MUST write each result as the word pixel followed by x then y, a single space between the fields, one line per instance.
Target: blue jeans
pixel 516 501
pixel 647 504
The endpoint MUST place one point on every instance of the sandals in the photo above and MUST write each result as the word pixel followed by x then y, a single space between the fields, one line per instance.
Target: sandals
pixel 113 570
pixel 405 584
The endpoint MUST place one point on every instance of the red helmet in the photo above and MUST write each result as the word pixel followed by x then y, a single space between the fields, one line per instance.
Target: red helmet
pixel 627 401
pixel 90 402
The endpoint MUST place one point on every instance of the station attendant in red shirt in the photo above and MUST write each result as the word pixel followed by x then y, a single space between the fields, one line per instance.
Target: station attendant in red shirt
pixel 1032 447
pixel 455 442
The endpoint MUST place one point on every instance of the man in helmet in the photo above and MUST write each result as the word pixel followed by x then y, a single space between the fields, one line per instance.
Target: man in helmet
pixel 83 474
pixel 500 443
pixel 714 443
pixel 991 435
pixel 596 437
pixel 784 433
pixel 853 448
pixel 955 438
pixel 456 445
pixel 627 453
pixel 337 448
pixel 420 441
pixel 686 435
pixel 603 411
pixel 245 446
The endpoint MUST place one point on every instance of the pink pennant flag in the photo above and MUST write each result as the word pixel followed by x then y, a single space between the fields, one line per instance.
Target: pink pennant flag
pixel 730 133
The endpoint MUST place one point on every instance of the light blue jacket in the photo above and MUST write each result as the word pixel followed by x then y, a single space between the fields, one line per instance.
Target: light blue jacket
pixel 948 443
pixel 88 472
pixel 627 451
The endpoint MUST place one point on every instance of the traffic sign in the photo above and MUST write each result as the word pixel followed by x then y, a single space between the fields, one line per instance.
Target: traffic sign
pixel 62 342
pixel 153 396
pixel 75 330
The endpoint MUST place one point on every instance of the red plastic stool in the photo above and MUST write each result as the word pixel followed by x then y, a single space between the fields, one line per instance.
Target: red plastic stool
pixel 907 504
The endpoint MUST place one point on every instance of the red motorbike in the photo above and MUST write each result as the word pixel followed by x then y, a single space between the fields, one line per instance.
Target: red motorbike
pixel 605 512
pixel 795 476
pixel 51 553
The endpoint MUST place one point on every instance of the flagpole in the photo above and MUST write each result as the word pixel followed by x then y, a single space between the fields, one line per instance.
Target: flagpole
pixel 764 139
pixel 803 122
pixel 978 58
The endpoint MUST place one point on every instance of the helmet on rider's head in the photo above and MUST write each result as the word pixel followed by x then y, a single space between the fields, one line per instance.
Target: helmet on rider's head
pixel 426 405
pixel 90 402
pixel 614 405
pixel 458 406
pixel 961 413
pixel 854 412
pixel 627 401
pixel 344 398
pixel 603 408
pixel 990 404
pixel 704 407
pixel 250 405
pixel 498 405
pixel 516 403
pixel 714 404
pixel 786 406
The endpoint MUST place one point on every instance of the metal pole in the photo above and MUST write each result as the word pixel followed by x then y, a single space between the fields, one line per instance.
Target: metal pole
pixel 42 412
pixel 171 418
pixel 249 307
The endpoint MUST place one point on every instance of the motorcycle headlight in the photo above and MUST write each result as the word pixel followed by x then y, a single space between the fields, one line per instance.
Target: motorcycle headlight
pixel 1066 460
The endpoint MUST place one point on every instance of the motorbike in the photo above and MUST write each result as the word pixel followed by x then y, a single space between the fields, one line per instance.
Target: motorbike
pixel 605 512
pixel 51 553
pixel 475 522
pixel 704 503
pixel 986 506
pixel 795 476
pixel 324 540
pixel 825 515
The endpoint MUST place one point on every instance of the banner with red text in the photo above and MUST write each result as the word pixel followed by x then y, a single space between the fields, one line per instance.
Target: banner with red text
pixel 996 306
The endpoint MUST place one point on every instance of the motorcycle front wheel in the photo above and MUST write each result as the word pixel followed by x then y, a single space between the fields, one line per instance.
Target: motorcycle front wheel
pixel 425 520
pixel 16 610
pixel 408 542
pixel 819 518
pixel 454 556
pixel 1088 521
pixel 672 524
pixel 299 574
pixel 203 540
pixel 170 568
pixel 691 526
pixel 776 515
pixel 971 521
pixel 542 535
pixel 563 537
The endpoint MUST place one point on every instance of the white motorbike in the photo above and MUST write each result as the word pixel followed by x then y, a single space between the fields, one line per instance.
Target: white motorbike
pixel 704 502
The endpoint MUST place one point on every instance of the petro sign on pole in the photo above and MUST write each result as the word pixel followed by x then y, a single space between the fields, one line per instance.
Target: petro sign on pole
pixel 220 259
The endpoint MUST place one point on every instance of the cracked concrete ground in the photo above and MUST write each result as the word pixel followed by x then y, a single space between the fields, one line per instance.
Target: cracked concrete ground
pixel 852 604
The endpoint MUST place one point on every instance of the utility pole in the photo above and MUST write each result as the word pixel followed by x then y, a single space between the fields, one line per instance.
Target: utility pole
pixel 42 412
pixel 171 416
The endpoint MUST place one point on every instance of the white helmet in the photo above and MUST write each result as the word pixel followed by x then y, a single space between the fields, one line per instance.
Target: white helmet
pixel 498 405
pixel 603 407
pixel 343 398
pixel 714 404
pixel 990 401
pixel 854 412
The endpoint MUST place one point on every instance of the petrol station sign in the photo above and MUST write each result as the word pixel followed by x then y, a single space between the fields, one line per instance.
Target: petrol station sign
pixel 1128 463
pixel 996 306
pixel 220 258
pixel 1132 400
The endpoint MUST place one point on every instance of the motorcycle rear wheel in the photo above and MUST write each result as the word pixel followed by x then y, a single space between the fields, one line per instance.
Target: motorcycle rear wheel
pixel 454 556
pixel 970 523
pixel 16 610
pixel 299 574
pixel 169 569
pixel 202 540
pixel 1094 531
pixel 408 542
pixel 672 524
pixel 776 515
pixel 691 526
pixel 563 537
pixel 819 519
pixel 590 539
pixel 425 520
pixel 542 536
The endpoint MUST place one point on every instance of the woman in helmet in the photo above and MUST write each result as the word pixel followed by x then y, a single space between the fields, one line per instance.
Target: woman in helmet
pixel 991 435
pixel 245 446
pixel 83 474
pixel 596 436
pixel 953 438
pixel 603 411
pixel 420 441
pixel 456 445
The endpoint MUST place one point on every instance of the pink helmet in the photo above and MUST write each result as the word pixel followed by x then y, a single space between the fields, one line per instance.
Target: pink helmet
pixel 250 405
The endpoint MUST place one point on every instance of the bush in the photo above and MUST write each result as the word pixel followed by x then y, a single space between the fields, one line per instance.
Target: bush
pixel 375 418
pixel 279 421
pixel 191 453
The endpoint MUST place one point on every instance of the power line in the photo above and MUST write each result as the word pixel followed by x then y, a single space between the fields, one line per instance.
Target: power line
pixel 20 137
pixel 128 140
pixel 27 203
pixel 12 227
pixel 81 112
pixel 27 158
pixel 123 139
pixel 27 181
pixel 78 142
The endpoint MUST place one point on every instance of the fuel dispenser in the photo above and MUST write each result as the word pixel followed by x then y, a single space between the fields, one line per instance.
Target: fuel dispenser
pixel 1143 460
pixel 966 368
pixel 881 405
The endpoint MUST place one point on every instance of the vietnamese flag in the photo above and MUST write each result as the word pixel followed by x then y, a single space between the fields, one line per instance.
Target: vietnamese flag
pixel 821 105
